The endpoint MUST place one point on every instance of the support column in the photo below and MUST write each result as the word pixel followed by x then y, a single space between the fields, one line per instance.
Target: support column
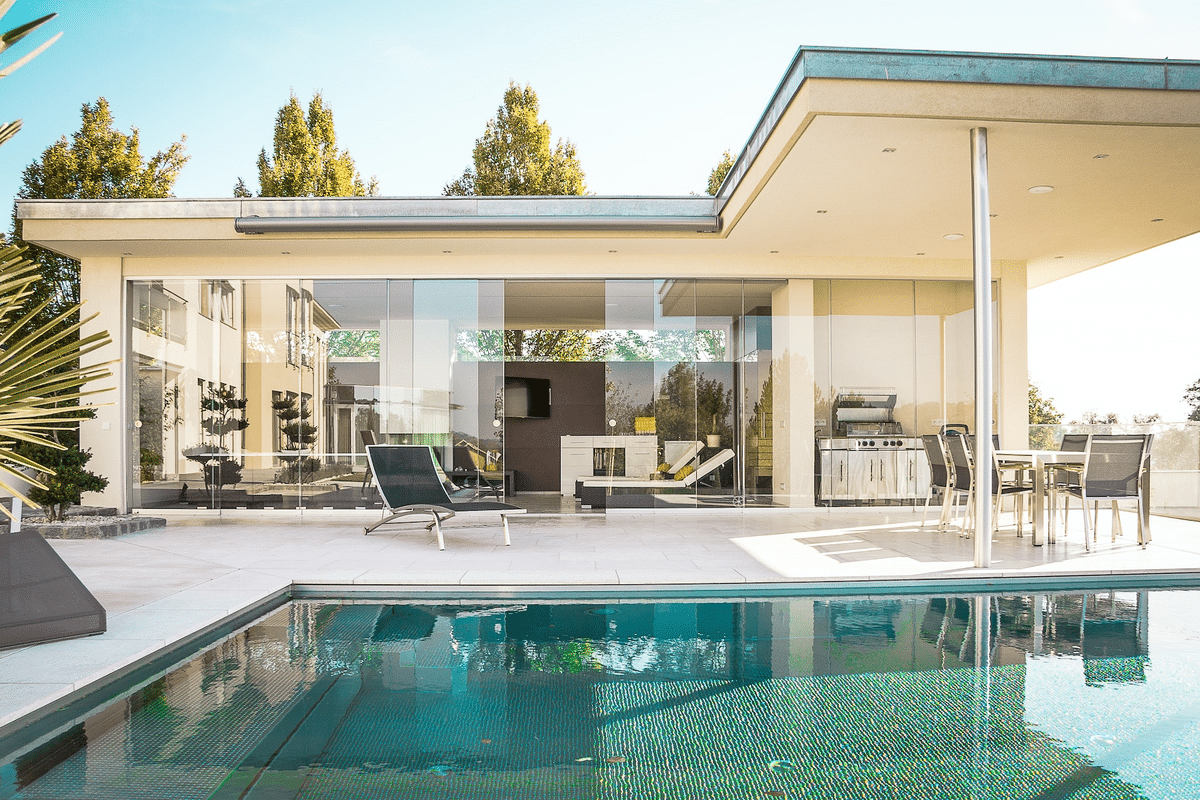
pixel 982 258
pixel 103 288
pixel 792 349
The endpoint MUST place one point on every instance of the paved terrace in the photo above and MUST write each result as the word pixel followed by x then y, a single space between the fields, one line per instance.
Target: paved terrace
pixel 165 586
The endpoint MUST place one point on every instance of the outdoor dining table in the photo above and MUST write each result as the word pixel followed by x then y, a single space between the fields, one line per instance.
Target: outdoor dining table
pixel 1041 462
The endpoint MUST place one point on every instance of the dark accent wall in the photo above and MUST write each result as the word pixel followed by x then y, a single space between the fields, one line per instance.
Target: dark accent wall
pixel 531 446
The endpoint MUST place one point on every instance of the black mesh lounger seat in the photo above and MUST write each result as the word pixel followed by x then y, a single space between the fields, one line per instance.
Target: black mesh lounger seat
pixel 411 483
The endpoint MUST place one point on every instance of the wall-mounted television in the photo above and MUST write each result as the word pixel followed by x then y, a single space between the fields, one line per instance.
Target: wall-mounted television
pixel 527 398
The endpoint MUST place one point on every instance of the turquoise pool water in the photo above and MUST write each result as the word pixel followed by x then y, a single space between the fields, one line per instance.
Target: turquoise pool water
pixel 1079 695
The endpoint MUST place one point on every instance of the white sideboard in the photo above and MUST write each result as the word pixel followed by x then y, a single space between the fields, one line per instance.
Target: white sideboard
pixel 641 456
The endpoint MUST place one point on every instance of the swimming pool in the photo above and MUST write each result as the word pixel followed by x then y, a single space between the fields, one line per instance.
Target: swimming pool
pixel 1082 695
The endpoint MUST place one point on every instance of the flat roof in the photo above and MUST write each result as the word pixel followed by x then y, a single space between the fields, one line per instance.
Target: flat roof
pixel 860 154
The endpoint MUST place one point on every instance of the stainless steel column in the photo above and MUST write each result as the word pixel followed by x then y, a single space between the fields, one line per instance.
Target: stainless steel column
pixel 982 257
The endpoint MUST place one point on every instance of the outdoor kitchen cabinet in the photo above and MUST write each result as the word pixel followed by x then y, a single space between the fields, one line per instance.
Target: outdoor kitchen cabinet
pixel 850 476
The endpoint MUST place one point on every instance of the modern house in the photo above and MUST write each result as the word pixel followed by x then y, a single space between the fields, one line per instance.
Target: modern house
pixel 814 318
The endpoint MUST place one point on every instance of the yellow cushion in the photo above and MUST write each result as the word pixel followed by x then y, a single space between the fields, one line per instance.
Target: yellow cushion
pixel 683 473
pixel 644 424
pixel 663 467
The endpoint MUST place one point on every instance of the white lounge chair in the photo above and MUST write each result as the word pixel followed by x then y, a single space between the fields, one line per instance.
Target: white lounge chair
pixel 689 454
pixel 595 491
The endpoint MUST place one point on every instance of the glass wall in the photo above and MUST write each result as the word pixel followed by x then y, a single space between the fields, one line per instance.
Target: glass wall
pixel 264 393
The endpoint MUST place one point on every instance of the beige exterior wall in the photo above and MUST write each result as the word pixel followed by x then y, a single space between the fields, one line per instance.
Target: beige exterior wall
pixel 107 435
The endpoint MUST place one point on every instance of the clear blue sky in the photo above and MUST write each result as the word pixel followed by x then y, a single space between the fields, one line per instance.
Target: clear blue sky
pixel 651 93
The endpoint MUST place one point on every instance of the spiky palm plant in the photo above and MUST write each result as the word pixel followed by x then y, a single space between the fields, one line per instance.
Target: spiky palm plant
pixel 41 382
pixel 10 38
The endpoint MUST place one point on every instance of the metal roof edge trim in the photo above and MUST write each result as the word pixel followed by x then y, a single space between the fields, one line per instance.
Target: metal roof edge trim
pixel 581 224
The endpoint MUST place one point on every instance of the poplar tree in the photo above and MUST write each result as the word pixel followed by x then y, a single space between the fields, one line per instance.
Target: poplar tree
pixel 97 162
pixel 513 157
pixel 306 161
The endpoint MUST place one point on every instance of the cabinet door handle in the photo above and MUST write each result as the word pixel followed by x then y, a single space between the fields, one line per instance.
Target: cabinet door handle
pixel 872 470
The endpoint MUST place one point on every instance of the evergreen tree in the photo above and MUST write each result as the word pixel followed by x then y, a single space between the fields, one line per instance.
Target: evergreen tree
pixel 717 176
pixel 1192 397
pixel 97 162
pixel 513 157
pixel 307 162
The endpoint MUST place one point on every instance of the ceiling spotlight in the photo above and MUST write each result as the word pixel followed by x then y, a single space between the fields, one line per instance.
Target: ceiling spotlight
pixel 1100 155
pixel 822 211
pixel 126 254
pixel 1159 219
pixel 952 237
pixel 774 251
pixel 447 251
pixel 889 149
pixel 993 216
pixel 1041 189
pixel 1058 256
pixel 612 251
pixel 920 254
pixel 285 252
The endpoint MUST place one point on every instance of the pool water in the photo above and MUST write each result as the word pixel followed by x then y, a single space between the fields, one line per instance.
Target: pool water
pixel 1083 695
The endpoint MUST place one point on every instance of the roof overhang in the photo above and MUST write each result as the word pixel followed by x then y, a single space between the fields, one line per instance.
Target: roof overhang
pixel 861 155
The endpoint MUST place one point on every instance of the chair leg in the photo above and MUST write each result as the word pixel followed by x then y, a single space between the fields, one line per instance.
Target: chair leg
pixel 1116 522
pixel 504 520
pixel 928 497
pixel 947 503
pixel 1087 528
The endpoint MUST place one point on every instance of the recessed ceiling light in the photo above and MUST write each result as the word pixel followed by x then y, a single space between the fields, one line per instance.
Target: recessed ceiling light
pixel 285 252
pixel 1041 189
pixel 822 211
pixel 953 237
pixel 1159 219
pixel 920 254
pixel 447 251
pixel 774 251
pixel 126 254
pixel 612 251
pixel 993 216
pixel 1100 155
pixel 889 149
pixel 1058 256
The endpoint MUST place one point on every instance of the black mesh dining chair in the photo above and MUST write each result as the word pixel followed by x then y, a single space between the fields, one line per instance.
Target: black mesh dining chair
pixel 940 476
pixel 1063 477
pixel 1114 467
pixel 962 457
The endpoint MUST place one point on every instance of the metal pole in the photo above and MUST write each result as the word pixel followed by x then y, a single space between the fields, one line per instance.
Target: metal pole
pixel 982 257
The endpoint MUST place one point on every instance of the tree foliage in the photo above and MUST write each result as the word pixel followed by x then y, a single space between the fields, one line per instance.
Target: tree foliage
pixel 97 162
pixel 717 176
pixel 1192 397
pixel 514 157
pixel 1041 408
pixel 306 161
